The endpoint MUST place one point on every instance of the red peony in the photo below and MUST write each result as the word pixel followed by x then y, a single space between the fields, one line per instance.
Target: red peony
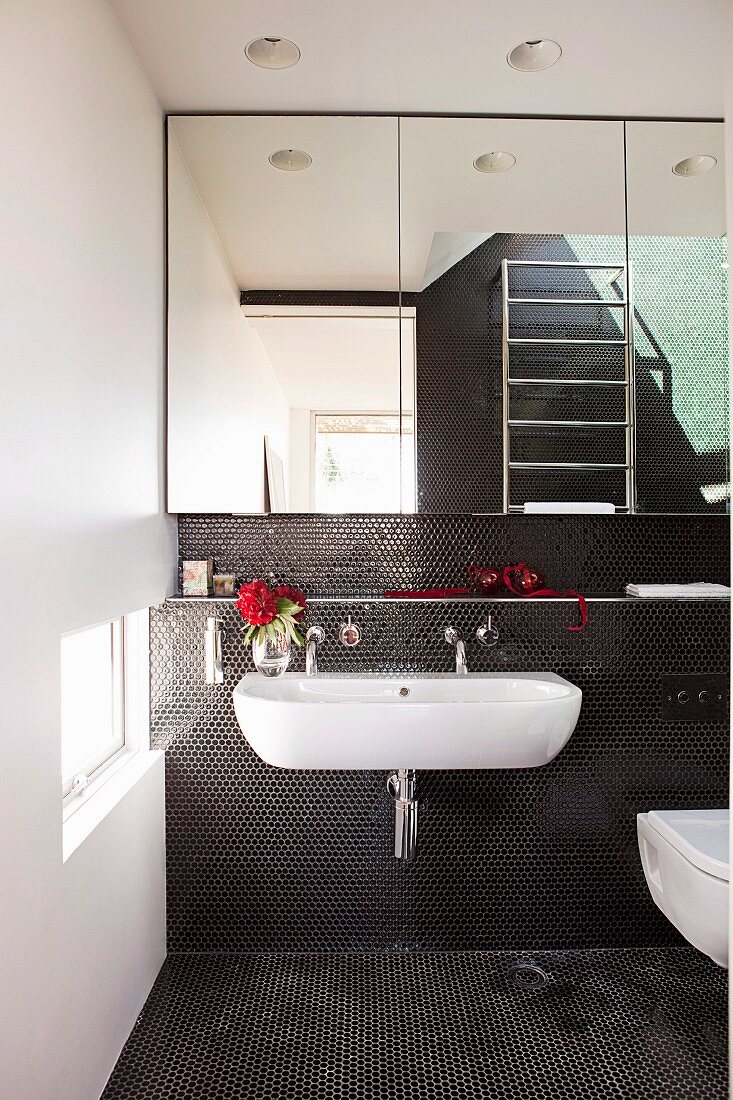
pixel 257 604
pixel 288 592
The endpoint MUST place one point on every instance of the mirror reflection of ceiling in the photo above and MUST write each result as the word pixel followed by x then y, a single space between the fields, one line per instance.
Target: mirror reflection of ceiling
pixel 663 203
pixel 568 179
pixel 333 226
pixel 336 363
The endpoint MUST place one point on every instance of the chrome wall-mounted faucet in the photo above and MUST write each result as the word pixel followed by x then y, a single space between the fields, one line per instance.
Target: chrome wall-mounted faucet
pixel 487 634
pixel 314 637
pixel 453 638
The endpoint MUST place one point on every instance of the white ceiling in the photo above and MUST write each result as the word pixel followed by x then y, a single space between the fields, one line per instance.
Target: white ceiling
pixel 620 57
pixel 338 363
pixel 330 227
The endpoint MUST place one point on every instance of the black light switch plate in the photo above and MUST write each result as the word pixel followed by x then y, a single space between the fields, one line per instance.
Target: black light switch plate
pixel 695 698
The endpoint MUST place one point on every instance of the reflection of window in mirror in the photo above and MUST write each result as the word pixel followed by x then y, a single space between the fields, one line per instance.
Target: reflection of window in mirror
pixel 348 370
pixel 356 462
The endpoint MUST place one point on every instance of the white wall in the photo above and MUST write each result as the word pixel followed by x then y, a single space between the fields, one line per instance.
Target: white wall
pixel 83 535
pixel 299 497
pixel 224 396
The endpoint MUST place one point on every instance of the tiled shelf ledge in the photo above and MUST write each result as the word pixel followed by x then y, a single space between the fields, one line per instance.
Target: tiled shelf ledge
pixel 606 597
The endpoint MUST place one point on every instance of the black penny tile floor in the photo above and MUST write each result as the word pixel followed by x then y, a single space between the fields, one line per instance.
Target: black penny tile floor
pixel 627 1024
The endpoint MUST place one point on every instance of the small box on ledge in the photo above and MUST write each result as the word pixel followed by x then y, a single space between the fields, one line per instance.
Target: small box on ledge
pixel 224 584
pixel 196 577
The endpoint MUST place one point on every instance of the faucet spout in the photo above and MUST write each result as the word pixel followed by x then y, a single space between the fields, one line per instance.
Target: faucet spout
pixel 453 638
pixel 313 638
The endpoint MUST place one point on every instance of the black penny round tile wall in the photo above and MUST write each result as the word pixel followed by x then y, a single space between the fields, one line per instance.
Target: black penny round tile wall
pixel 261 859
pixel 361 555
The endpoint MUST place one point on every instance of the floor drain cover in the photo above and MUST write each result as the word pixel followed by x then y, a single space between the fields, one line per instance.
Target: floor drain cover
pixel 527 976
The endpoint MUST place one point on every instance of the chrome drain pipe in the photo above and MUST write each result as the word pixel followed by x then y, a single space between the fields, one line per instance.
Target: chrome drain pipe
pixel 402 786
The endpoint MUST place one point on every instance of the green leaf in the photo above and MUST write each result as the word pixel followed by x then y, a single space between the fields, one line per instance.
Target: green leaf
pixel 261 635
pixel 287 607
pixel 297 636
pixel 270 629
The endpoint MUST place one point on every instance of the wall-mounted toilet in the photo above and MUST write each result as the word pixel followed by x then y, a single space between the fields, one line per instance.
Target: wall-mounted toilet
pixel 685 858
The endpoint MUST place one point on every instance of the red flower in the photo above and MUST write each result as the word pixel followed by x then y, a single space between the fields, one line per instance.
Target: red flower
pixel 287 592
pixel 256 603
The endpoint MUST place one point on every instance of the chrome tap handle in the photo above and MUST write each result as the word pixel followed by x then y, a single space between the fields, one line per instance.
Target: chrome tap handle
pixel 487 634
pixel 349 633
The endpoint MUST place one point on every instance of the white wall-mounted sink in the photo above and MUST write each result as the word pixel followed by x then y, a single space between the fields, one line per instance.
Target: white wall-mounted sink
pixel 493 720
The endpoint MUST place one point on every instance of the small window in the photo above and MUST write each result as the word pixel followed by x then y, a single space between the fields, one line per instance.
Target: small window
pixel 92 702
pixel 357 462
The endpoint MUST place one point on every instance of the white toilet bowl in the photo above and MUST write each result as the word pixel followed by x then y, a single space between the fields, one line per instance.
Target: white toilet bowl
pixel 685 858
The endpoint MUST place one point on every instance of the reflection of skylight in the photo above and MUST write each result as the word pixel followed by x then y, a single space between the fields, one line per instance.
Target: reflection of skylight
pixel 657 376
pixel 714 494
pixel 644 346
pixel 680 305
pixel 681 326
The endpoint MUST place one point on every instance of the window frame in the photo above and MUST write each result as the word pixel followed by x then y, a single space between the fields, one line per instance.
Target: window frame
pixel 93 766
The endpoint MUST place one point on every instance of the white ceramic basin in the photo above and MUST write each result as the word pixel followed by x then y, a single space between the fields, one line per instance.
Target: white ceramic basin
pixel 516 720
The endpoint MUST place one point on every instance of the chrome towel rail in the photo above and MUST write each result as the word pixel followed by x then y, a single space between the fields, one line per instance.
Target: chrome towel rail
pixel 624 302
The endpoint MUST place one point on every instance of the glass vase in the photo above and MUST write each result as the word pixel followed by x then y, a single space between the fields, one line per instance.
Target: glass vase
pixel 271 656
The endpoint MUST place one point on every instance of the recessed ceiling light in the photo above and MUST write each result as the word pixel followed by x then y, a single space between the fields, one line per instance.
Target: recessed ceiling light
pixel 272 53
pixel 290 160
pixel 494 162
pixel 694 166
pixel 530 57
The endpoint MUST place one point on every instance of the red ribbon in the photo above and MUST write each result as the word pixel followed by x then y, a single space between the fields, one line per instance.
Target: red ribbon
pixel 426 594
pixel 522 568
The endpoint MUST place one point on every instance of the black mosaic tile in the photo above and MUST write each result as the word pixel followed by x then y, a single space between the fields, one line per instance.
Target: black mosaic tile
pixel 606 1025
pixel 325 298
pixel 459 364
pixel 262 859
pixel 358 555
pixel 681 334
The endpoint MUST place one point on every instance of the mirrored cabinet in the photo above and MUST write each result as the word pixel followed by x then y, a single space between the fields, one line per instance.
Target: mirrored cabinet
pixel 373 314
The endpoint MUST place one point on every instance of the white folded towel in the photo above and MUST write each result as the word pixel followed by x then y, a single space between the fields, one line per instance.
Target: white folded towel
pixel 568 506
pixel 697 591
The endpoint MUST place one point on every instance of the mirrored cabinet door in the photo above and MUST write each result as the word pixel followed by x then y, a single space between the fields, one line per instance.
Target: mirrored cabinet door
pixel 285 383
pixel 678 251
pixel 513 256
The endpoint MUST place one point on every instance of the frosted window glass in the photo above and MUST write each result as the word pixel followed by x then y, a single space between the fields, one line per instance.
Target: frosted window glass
pixel 90 726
